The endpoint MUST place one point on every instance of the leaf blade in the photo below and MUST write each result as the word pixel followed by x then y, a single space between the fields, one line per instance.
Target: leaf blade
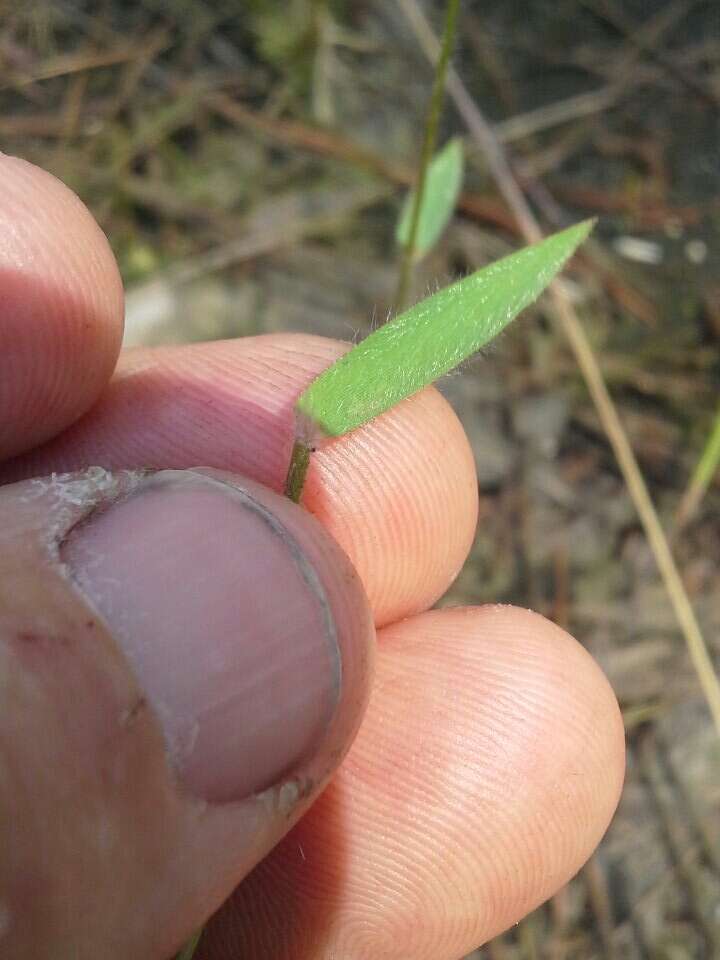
pixel 442 186
pixel 432 337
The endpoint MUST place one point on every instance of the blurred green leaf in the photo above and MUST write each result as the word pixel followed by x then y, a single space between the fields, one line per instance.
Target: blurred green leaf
pixel 707 467
pixel 442 186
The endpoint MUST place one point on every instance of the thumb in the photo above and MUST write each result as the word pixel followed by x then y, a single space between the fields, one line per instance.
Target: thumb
pixel 184 659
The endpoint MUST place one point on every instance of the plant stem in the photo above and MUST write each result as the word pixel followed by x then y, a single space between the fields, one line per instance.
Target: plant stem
pixel 431 125
pixel 587 362
pixel 702 475
pixel 188 951
pixel 297 471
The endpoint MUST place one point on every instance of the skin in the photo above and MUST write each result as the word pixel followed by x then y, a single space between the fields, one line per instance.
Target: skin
pixel 489 760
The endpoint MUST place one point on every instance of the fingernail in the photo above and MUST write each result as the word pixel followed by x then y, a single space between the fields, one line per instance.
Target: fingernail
pixel 225 623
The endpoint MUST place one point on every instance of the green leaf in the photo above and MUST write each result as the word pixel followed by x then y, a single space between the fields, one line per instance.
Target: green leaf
pixel 431 338
pixel 442 186
pixel 707 466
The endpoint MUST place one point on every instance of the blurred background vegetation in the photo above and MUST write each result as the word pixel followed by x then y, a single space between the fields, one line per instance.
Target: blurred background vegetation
pixel 248 160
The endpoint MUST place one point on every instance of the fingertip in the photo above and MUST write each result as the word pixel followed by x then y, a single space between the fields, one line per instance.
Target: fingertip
pixel 61 306
pixel 569 686
pixel 400 495
pixel 514 762
pixel 486 770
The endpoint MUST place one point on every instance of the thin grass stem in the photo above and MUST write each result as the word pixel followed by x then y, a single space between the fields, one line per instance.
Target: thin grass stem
pixel 430 136
pixel 297 471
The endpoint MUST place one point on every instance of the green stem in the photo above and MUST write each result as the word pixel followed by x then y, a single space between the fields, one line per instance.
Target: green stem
pixel 297 471
pixel 702 475
pixel 431 125
pixel 188 951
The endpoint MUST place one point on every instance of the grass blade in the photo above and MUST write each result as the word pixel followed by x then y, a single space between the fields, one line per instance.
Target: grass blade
pixel 432 337
pixel 705 470
pixel 442 186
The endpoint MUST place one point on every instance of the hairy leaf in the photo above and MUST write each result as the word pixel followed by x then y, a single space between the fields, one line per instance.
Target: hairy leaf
pixel 431 338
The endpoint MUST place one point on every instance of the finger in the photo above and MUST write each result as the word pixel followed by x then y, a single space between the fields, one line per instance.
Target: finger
pixel 61 307
pixel 398 495
pixel 487 768
pixel 184 659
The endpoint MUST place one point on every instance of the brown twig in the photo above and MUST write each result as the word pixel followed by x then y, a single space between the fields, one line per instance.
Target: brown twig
pixel 615 15
pixel 599 895
pixel 562 111
pixel 647 212
pixel 72 106
pixel 560 915
pixel 74 63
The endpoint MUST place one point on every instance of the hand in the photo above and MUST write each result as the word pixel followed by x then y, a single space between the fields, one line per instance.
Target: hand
pixel 185 657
